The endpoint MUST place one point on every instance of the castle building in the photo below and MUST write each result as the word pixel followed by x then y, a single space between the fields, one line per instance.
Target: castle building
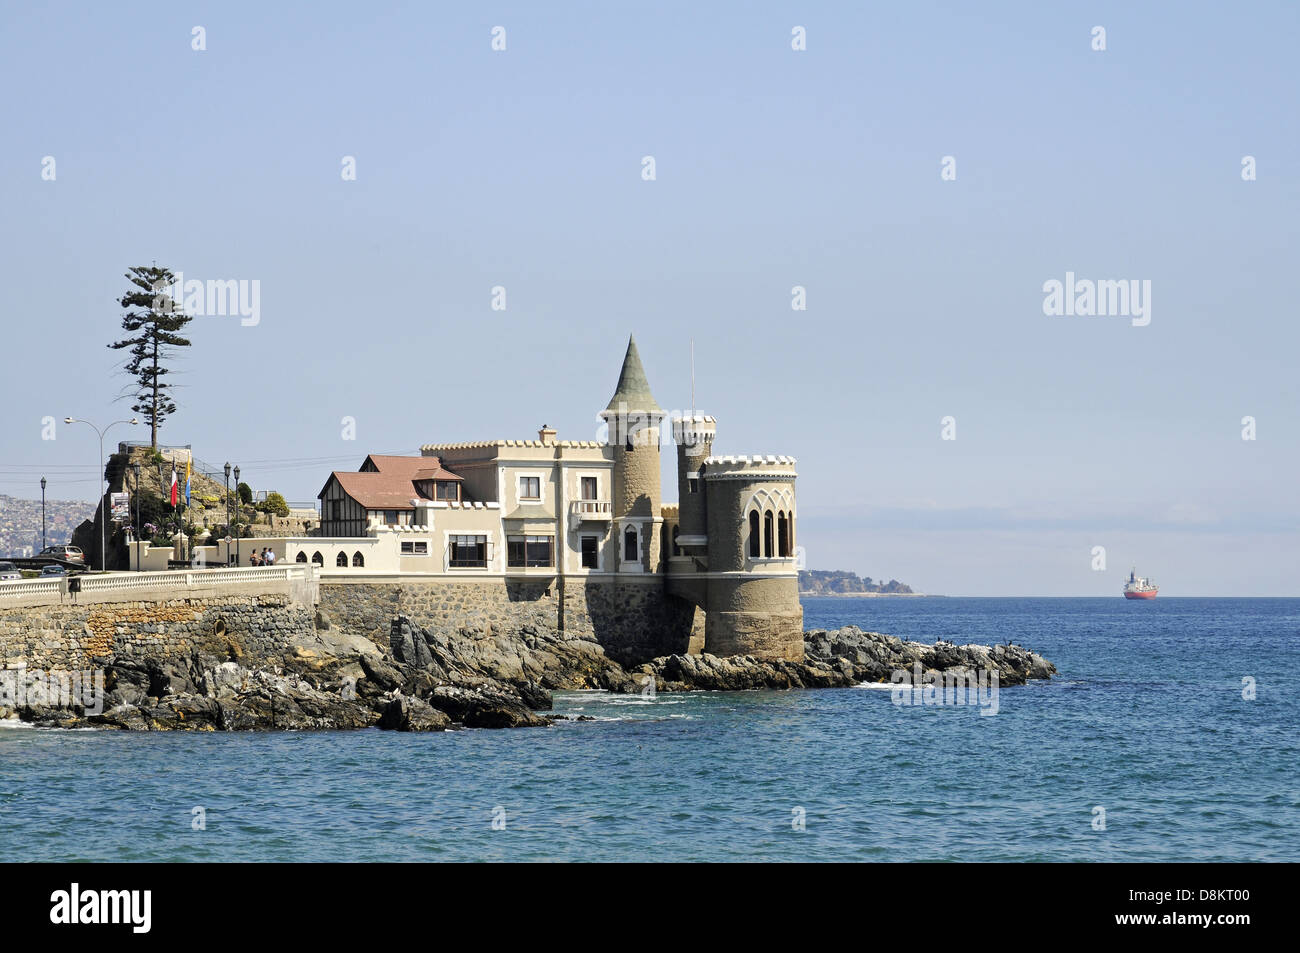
pixel 585 519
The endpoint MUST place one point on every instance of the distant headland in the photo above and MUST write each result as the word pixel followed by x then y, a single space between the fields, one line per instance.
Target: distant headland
pixel 837 582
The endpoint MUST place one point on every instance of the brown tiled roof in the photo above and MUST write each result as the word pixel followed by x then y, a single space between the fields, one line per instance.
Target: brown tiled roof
pixel 436 473
pixel 392 488
pixel 400 465
pixel 377 491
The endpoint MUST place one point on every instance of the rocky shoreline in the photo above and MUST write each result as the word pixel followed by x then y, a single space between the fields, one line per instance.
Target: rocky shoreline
pixel 434 681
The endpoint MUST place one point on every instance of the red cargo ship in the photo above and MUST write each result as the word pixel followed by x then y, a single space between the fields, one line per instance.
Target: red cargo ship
pixel 1139 587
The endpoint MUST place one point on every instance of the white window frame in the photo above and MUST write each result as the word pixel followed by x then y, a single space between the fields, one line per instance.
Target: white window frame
pixel 540 498
pixel 488 554
pixel 526 537
pixel 624 565
pixel 600 556
pixel 580 475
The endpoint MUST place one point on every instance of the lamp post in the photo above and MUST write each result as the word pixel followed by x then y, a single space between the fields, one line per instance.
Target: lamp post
pixel 241 502
pixel 227 512
pixel 136 467
pixel 103 489
pixel 44 545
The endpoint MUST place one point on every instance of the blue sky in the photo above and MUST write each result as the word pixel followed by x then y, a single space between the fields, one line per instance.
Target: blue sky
pixel 775 168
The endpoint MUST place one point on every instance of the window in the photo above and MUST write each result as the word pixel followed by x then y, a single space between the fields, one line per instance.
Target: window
pixel 341 560
pixel 530 488
pixel 677 550
pixel 358 561
pixel 589 488
pixel 415 547
pixel 447 490
pixel 630 548
pixel 782 535
pixel 302 557
pixel 692 485
pixel 467 552
pixel 336 509
pixel 390 517
pixel 530 551
pixel 317 558
pixel 590 552
pixel 767 534
pixel 753 534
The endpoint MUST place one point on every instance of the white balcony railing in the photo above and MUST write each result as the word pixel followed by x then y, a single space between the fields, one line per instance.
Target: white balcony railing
pixel 590 510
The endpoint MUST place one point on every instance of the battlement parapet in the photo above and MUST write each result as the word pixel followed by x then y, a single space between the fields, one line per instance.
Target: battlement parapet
pixel 760 466
pixel 431 448
pixel 694 431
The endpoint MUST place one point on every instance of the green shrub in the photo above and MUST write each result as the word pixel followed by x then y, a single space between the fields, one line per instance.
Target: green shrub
pixel 274 504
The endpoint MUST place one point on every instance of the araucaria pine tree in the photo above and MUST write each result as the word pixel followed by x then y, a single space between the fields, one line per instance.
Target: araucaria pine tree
pixel 152 321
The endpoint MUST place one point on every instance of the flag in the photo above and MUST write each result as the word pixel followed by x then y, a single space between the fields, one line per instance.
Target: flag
pixel 173 489
pixel 187 482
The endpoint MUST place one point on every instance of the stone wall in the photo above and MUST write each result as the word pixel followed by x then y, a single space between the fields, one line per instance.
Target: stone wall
pixel 74 637
pixel 633 620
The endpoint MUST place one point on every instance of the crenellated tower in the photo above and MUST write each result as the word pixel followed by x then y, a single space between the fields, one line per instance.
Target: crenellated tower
pixel 694 438
pixel 752 605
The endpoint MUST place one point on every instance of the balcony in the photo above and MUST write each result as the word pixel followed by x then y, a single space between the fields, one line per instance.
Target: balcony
pixel 590 511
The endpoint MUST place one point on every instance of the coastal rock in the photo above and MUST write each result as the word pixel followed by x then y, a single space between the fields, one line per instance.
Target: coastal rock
pixel 43 717
pixel 125 717
pixel 528 658
pixel 484 708
pixel 838 659
pixel 406 713
pixel 737 674
pixel 189 712
pixel 480 678
pixel 875 657
pixel 380 677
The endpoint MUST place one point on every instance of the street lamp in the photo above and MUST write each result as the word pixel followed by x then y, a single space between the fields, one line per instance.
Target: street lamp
pixel 136 467
pixel 241 501
pixel 44 545
pixel 103 511
pixel 227 512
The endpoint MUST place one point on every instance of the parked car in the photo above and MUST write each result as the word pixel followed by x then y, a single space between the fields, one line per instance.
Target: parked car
pixel 54 570
pixel 9 571
pixel 70 553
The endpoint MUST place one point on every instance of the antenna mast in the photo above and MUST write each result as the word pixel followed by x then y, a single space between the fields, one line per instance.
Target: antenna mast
pixel 692 377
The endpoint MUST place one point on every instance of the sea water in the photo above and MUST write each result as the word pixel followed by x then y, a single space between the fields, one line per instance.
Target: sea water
pixel 1148 746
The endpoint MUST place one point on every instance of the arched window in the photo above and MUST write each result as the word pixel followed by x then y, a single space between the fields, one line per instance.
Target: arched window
pixel 317 558
pixel 341 560
pixel 358 561
pixel 753 534
pixel 302 557
pixel 630 548
pixel 782 535
pixel 767 534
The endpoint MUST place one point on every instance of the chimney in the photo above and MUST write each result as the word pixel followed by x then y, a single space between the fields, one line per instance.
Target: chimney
pixel 546 435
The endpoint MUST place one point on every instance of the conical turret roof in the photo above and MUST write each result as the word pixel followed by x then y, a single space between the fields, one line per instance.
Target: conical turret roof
pixel 633 391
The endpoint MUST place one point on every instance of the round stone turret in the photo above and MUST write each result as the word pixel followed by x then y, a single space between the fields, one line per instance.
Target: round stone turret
pixel 633 417
pixel 694 438
pixel 753 594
